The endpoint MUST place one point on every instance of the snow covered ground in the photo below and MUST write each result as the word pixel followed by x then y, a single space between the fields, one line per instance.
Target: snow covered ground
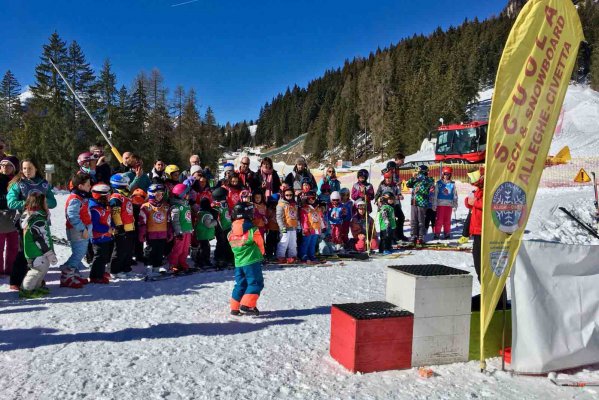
pixel 175 340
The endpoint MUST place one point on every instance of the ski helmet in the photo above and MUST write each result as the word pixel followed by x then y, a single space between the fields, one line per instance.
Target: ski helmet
pixel 275 197
pixel 220 194
pixel 154 189
pixel 307 181
pixel 100 190
pixel 344 192
pixel 245 194
pixel 180 190
pixel 360 203
pixel 85 157
pixel 310 194
pixel 388 194
pixel 387 173
pixel 391 165
pixel 170 169
pixel 138 197
pixel 243 210
pixel 120 181
pixel 423 169
pixel 447 170
pixel 335 196
pixel 363 174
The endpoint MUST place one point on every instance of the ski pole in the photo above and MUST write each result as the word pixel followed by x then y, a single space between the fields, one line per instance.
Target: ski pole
pixel 114 149
pixel 367 232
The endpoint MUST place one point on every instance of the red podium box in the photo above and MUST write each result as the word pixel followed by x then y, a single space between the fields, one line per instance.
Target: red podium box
pixel 372 336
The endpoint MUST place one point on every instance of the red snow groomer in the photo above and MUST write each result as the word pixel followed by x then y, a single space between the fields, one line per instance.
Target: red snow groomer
pixel 461 143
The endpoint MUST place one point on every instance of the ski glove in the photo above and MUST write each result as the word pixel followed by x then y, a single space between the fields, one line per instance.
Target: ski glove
pixel 51 257
pixel 283 230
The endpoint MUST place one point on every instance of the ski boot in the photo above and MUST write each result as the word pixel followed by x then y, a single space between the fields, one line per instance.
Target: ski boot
pixel 236 313
pixel 419 242
pixel 68 279
pixel 43 290
pixel 82 280
pixel 463 240
pixel 29 294
pixel 245 310
pixel 291 260
pixel 102 281
pixel 447 236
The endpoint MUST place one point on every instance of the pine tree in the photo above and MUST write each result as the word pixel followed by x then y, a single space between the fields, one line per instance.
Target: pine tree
pixel 191 124
pixel 107 97
pixel 139 141
pixel 81 77
pixel 177 107
pixel 44 137
pixel 10 105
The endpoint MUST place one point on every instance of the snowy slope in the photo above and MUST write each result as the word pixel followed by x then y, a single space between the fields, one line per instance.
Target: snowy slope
pixel 175 340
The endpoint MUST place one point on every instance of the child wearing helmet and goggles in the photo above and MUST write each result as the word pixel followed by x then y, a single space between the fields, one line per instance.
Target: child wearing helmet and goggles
pixel 445 200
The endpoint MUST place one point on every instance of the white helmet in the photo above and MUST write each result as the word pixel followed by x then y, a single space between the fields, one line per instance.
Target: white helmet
pixel 359 203
pixel 335 195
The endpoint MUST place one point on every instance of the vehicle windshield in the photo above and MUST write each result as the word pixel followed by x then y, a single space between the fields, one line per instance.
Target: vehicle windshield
pixel 460 141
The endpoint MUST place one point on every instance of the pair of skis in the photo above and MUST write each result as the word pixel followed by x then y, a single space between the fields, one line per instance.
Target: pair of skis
pixel 587 227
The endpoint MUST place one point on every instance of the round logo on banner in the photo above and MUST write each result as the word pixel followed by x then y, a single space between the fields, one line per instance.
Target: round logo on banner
pixel 508 207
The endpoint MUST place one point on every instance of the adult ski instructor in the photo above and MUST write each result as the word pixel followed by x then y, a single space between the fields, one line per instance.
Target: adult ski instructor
pixel 300 171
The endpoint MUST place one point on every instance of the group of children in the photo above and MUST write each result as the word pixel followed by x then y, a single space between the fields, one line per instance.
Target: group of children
pixel 174 220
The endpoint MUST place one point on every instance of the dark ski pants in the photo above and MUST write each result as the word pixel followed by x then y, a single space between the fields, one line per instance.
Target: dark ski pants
pixel 122 252
pixel 203 254
pixel 272 239
pixel 100 259
pixel 222 251
pixel 466 228
pixel 386 240
pixel 19 267
pixel 429 220
pixel 476 257
pixel 400 218
pixel 155 251
pixel 418 222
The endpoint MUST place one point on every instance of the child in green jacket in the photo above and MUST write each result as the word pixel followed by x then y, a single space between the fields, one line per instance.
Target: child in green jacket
pixel 248 247
pixel 204 229
pixel 386 217
pixel 37 245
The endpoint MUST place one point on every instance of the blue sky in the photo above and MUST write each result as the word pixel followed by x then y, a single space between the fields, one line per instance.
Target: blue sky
pixel 236 54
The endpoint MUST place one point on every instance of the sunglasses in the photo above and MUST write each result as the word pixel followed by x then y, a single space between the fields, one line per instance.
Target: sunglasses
pixel 245 163
pixel 335 201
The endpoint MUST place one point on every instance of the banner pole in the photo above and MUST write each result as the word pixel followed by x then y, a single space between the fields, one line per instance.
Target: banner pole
pixel 114 150
pixel 504 300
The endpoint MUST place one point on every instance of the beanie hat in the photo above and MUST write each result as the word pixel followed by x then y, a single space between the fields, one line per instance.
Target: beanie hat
pixel 194 169
pixel 12 160
pixel 300 161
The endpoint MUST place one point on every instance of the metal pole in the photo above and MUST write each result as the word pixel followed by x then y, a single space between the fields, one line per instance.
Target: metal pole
pixel 114 150
pixel 503 332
